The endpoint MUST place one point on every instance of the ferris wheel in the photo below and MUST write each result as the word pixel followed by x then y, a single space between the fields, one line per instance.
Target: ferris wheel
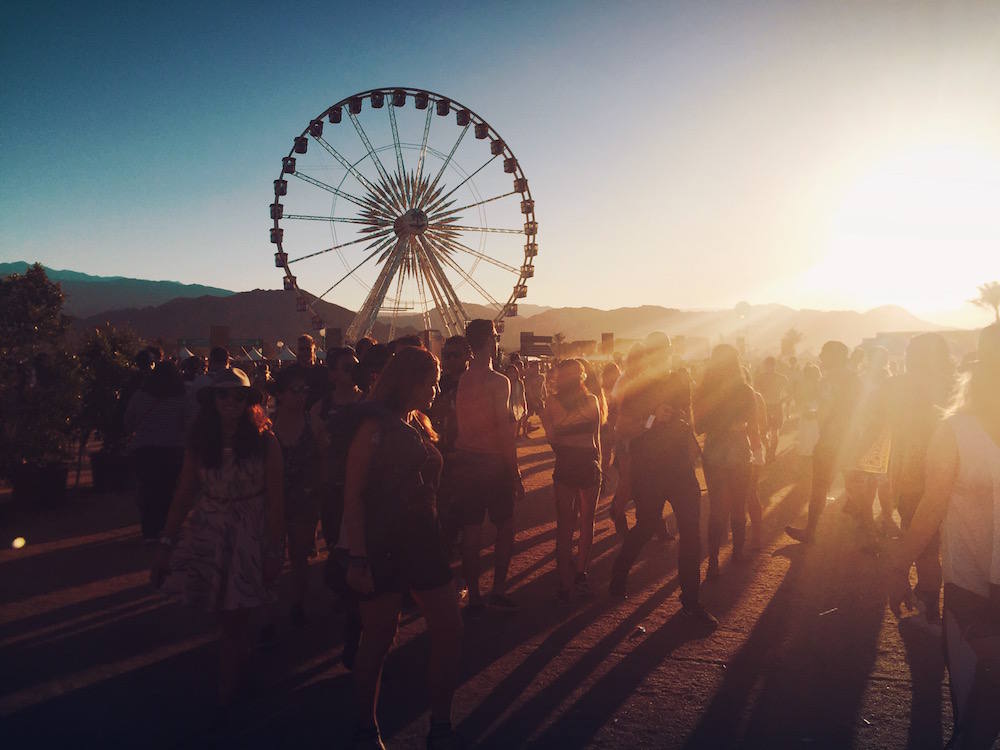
pixel 412 217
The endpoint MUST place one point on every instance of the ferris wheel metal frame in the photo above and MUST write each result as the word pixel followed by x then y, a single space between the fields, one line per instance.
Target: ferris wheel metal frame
pixel 409 225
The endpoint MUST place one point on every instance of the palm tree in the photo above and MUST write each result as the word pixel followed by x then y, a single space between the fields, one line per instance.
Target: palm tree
pixel 989 298
pixel 558 340
pixel 791 339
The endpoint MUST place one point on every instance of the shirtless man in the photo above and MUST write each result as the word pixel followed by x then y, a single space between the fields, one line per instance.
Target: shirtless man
pixel 485 473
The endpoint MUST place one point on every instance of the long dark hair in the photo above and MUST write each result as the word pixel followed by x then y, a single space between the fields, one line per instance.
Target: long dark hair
pixel 723 378
pixel 409 368
pixel 205 438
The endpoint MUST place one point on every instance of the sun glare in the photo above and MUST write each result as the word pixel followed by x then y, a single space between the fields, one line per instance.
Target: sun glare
pixel 921 229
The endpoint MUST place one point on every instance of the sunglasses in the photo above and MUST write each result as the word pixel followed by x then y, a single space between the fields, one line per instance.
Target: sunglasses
pixel 233 395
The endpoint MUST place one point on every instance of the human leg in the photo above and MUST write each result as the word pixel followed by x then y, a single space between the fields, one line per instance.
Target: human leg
pixel 565 523
pixel 648 513
pixel 502 551
pixel 718 505
pixel 472 540
pixel 587 501
pixel 686 504
pixel 379 618
pixel 444 626
pixel 738 486
pixel 300 540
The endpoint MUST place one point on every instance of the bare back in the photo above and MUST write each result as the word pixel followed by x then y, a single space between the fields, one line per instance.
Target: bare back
pixel 482 409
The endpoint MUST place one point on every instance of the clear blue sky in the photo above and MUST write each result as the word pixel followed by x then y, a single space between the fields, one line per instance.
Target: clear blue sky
pixel 693 155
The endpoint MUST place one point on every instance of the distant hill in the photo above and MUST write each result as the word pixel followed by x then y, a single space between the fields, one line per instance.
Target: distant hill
pixel 267 314
pixel 88 295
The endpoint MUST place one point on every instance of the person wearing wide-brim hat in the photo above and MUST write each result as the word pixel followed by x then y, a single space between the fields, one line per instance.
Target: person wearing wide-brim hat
pixel 962 498
pixel 222 544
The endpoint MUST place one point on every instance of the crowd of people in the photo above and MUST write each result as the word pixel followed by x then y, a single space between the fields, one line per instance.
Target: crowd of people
pixel 399 458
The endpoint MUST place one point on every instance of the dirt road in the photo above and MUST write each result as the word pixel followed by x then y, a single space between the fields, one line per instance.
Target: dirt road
pixel 806 655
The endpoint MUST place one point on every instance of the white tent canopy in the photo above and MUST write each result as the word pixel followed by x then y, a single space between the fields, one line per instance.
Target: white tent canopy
pixel 183 353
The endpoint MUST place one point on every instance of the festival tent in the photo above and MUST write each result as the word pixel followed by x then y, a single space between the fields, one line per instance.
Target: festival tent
pixel 252 354
pixel 183 353
pixel 284 355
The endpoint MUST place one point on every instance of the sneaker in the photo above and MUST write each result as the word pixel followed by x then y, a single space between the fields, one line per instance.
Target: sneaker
pixel 443 737
pixel 696 613
pixel 502 602
pixel 799 535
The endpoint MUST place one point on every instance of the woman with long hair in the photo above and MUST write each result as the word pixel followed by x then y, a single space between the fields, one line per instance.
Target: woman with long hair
pixel 961 497
pixel 725 412
pixel 221 546
pixel 303 449
pixel 572 421
pixel 393 540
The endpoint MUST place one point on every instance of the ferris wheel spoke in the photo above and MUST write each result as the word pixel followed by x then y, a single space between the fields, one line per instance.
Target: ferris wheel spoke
pixel 451 154
pixel 397 301
pixel 380 246
pixel 368 146
pixel 423 296
pixel 453 244
pixel 365 319
pixel 449 261
pixel 367 238
pixel 444 226
pixel 400 165
pixel 442 214
pixel 361 202
pixel 423 149
pixel 352 170
pixel 337 219
pixel 434 206
pixel 452 305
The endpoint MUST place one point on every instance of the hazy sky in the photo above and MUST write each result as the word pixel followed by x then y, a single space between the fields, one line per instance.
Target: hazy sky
pixel 692 155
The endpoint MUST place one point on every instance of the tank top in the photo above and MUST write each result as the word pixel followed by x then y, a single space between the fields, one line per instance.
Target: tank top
pixel 970 547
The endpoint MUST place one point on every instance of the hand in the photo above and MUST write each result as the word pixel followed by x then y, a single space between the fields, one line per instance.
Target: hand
pixel 160 567
pixel 359 578
pixel 898 590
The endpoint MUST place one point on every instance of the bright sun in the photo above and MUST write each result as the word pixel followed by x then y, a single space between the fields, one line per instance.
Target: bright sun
pixel 921 229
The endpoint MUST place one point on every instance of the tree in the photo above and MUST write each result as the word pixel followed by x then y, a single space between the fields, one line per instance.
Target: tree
pixel 989 298
pixel 791 339
pixel 39 379
pixel 558 340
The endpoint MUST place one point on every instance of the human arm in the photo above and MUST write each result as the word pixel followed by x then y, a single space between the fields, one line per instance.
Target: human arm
pixel 500 402
pixel 359 456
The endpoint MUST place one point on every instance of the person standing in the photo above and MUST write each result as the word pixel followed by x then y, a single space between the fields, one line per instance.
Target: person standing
pixel 839 392
pixel 486 477
pixel 918 399
pixel 393 542
pixel 154 418
pixel 773 386
pixel 961 497
pixel 572 421
pixel 303 447
pixel 725 411
pixel 655 419
pixel 221 546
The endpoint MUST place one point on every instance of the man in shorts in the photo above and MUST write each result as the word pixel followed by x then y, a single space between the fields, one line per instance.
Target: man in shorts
pixel 484 475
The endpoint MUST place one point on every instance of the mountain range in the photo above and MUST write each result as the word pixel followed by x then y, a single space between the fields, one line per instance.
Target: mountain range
pixel 168 311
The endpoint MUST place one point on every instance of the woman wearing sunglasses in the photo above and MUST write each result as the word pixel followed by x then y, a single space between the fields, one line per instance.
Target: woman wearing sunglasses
pixel 221 546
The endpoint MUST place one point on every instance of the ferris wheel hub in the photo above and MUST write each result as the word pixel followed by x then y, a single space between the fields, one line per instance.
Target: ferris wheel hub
pixel 413 222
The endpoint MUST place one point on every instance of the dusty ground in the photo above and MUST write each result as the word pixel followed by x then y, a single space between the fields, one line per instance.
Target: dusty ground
pixel 806 655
